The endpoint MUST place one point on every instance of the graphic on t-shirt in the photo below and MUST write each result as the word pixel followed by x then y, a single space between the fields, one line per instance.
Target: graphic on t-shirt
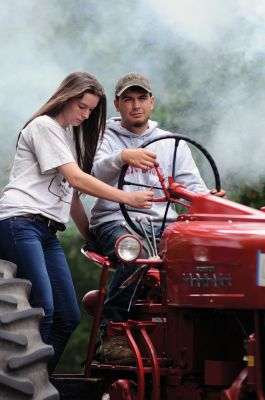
pixel 59 187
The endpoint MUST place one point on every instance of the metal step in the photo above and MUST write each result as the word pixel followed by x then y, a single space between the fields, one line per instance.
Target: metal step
pixel 76 387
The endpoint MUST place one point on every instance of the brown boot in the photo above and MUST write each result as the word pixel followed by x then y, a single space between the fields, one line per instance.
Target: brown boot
pixel 116 350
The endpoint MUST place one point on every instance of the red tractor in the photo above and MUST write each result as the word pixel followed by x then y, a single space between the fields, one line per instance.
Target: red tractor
pixel 198 329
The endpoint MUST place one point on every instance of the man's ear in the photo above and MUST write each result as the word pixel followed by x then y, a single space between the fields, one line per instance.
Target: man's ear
pixel 152 103
pixel 116 104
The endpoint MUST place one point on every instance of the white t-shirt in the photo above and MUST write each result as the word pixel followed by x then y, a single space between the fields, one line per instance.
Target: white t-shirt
pixel 35 185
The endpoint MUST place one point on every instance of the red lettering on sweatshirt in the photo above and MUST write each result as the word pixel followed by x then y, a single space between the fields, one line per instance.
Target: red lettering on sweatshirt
pixel 151 171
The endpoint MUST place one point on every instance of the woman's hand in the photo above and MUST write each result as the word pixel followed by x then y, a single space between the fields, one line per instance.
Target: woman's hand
pixel 139 199
pixel 139 158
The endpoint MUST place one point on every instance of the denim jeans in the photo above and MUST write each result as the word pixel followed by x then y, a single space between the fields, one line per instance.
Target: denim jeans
pixel 36 250
pixel 118 299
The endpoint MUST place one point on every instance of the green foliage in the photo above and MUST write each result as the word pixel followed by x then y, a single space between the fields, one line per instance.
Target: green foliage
pixel 253 196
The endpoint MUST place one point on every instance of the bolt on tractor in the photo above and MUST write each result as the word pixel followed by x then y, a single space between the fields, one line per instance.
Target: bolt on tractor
pixel 197 328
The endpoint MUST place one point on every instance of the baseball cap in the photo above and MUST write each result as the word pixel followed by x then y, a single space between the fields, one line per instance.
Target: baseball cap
pixel 132 79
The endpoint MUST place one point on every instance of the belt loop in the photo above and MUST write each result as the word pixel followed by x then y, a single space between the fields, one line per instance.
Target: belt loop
pixel 49 223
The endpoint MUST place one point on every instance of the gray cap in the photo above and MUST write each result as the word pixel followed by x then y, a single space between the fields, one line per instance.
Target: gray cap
pixel 132 79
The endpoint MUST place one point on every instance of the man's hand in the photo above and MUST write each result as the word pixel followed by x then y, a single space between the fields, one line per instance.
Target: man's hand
pixel 222 193
pixel 139 158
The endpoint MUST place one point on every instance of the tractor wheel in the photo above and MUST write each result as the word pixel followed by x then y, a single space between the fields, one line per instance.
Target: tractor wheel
pixel 23 355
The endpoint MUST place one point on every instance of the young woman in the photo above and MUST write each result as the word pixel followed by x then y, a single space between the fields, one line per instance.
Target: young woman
pixel 52 165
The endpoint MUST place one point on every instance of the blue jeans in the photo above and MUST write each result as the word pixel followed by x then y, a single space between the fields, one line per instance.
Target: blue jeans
pixel 36 250
pixel 118 299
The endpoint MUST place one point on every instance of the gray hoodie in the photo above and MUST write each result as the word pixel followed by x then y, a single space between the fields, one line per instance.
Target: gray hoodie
pixel 107 166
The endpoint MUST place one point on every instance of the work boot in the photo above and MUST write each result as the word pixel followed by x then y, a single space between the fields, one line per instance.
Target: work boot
pixel 116 350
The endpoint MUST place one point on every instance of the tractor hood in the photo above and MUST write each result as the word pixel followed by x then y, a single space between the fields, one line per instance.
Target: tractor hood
pixel 217 263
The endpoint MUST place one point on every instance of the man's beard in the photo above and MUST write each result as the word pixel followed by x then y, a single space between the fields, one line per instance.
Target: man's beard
pixel 139 124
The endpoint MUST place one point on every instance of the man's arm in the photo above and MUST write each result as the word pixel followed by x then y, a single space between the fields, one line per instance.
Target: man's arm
pixel 108 163
pixel 187 173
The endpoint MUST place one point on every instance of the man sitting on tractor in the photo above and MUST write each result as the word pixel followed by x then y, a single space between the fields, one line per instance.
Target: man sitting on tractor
pixel 135 102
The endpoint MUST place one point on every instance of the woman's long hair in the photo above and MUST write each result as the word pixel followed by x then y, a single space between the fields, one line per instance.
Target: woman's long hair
pixel 88 134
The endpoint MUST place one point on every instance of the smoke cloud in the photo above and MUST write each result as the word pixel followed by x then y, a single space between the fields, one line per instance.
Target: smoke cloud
pixel 230 34
pixel 218 45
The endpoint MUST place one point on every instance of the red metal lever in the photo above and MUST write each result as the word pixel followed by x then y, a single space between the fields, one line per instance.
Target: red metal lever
pixel 161 180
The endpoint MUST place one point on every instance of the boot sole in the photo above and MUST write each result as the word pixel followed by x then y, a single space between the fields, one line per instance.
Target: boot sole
pixel 122 361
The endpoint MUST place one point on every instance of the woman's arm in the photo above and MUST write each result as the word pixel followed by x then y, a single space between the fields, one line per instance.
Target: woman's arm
pixel 79 216
pixel 86 183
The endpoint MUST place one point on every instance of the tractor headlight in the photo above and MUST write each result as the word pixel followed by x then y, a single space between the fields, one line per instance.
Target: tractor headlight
pixel 128 248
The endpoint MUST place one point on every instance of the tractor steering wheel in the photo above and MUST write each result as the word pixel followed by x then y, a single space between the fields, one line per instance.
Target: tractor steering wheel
pixel 123 182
